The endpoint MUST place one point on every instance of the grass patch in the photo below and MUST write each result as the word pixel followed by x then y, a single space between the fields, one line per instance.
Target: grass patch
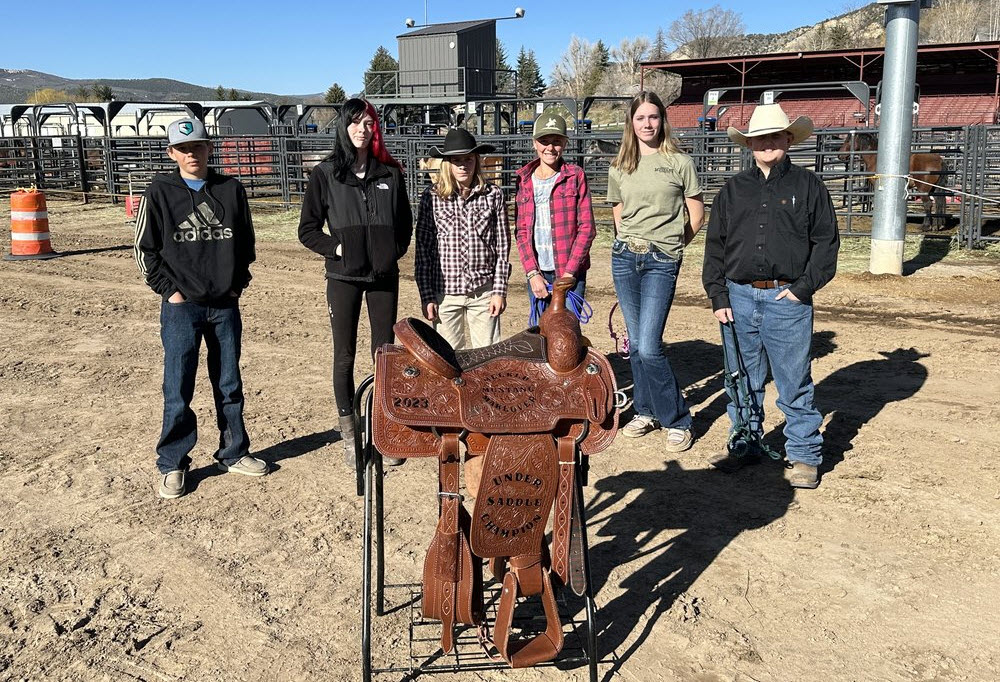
pixel 276 225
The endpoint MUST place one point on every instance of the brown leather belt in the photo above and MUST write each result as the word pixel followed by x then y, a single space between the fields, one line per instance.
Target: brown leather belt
pixel 768 283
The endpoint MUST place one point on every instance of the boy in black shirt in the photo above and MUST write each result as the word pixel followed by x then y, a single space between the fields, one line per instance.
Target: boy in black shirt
pixel 772 243
pixel 194 243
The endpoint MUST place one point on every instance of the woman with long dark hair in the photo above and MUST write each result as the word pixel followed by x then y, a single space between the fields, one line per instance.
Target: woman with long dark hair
pixel 657 205
pixel 358 193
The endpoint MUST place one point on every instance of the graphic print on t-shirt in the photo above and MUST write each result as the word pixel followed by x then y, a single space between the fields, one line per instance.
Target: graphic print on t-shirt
pixel 201 225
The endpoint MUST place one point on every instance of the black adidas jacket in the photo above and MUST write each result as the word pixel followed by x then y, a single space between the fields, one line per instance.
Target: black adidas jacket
pixel 198 243
pixel 369 218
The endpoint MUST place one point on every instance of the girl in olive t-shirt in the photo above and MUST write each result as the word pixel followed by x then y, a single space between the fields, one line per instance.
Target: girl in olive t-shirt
pixel 658 208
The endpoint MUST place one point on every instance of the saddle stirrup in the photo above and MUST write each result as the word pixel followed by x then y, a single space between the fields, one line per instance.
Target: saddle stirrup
pixel 527 577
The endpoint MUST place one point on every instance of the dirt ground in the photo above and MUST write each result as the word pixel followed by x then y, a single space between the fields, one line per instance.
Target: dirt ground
pixel 888 571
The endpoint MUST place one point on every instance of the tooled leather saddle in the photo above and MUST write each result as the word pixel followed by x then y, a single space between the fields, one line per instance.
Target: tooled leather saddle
pixel 523 407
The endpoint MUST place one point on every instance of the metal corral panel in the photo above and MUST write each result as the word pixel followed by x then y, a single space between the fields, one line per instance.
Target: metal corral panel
pixel 241 122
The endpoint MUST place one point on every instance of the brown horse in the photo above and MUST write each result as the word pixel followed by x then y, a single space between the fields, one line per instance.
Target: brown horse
pixel 926 170
pixel 491 166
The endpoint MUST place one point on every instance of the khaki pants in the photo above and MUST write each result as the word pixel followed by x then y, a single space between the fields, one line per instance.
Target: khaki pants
pixel 474 308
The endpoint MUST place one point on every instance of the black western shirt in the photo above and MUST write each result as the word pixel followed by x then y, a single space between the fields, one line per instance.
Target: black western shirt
pixel 781 227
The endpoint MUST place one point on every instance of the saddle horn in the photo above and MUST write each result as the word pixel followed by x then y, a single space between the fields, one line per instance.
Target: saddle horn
pixel 561 329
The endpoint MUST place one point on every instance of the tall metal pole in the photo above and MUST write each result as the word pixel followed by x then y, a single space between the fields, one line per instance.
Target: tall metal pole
pixel 895 131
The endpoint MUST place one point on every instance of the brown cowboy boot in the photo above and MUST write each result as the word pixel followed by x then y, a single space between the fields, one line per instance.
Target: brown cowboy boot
pixel 347 437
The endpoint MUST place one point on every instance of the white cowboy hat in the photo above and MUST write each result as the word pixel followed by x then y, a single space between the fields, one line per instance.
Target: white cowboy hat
pixel 771 118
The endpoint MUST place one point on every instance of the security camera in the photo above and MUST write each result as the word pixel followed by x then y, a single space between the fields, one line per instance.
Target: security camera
pixel 518 12
pixel 410 23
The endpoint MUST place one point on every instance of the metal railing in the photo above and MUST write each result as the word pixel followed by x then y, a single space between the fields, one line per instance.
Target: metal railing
pixel 450 82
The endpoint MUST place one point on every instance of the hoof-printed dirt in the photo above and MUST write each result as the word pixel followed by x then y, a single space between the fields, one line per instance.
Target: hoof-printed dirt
pixel 886 572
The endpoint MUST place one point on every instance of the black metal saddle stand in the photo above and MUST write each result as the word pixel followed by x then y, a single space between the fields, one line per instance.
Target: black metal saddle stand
pixel 743 440
pixel 368 465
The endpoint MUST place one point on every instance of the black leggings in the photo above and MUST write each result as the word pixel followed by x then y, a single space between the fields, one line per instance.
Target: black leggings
pixel 343 299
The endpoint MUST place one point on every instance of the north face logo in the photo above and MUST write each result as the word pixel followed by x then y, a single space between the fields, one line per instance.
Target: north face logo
pixel 186 127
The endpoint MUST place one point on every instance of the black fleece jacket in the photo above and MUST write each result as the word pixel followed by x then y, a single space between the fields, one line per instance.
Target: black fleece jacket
pixel 198 243
pixel 369 218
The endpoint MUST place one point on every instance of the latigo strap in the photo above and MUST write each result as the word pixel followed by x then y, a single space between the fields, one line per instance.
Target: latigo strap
pixel 453 577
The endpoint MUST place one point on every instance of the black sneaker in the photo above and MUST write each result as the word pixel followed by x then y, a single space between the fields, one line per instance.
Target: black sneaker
pixel 738 455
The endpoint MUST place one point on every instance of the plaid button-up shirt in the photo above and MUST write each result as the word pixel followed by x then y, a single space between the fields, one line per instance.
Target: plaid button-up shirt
pixel 462 244
pixel 573 229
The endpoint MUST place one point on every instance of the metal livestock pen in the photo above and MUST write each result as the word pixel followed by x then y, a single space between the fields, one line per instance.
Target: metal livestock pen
pixel 274 168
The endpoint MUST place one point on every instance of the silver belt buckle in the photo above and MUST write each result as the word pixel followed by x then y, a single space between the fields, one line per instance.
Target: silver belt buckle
pixel 636 245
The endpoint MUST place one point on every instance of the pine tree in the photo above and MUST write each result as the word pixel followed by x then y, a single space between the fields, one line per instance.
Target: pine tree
pixel 602 60
pixel 220 92
pixel 103 93
pixel 529 76
pixel 377 81
pixel 233 95
pixel 659 51
pixel 335 94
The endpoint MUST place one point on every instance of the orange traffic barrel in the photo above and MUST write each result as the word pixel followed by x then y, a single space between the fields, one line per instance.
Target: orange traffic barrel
pixel 29 226
pixel 132 205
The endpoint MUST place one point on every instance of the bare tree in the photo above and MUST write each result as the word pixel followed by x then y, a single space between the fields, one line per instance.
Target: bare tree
pixel 571 75
pixel 709 33
pixel 827 36
pixel 622 75
pixel 955 21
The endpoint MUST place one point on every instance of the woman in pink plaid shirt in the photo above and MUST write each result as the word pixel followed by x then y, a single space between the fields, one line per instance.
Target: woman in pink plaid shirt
pixel 463 246
pixel 554 221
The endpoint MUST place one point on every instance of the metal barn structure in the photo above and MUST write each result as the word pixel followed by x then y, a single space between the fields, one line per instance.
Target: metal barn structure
pixel 958 84
pixel 446 72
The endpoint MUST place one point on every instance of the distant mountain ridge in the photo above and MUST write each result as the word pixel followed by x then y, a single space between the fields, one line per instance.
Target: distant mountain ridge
pixel 856 28
pixel 17 85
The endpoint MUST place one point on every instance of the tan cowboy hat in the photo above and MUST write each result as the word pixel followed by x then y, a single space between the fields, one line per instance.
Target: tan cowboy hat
pixel 771 118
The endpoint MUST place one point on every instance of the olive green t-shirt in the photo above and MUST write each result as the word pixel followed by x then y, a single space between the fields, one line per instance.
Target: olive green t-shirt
pixel 652 199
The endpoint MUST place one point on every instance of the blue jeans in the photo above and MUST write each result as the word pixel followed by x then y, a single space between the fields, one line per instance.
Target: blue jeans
pixel 779 334
pixel 645 286
pixel 182 328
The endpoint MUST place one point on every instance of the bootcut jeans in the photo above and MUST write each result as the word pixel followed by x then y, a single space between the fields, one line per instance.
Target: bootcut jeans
pixel 778 333
pixel 183 326
pixel 645 284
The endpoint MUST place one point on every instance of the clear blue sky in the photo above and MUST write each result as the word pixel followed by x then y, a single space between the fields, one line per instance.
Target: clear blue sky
pixel 295 48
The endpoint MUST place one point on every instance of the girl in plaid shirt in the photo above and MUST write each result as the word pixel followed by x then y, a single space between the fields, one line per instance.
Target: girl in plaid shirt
pixel 554 221
pixel 463 246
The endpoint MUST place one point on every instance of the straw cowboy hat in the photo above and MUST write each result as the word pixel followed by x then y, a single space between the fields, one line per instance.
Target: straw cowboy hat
pixel 459 142
pixel 771 118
